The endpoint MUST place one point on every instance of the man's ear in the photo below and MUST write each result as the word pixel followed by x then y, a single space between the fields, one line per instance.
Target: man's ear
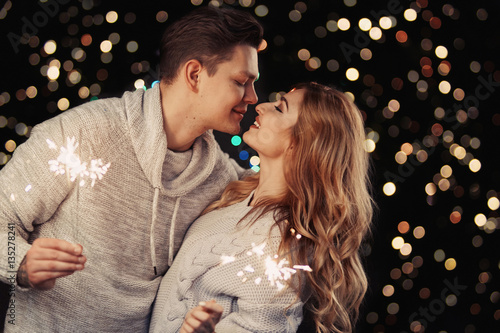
pixel 191 72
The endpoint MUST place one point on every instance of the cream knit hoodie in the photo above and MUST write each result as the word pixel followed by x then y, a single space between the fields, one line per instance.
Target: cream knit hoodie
pixel 130 223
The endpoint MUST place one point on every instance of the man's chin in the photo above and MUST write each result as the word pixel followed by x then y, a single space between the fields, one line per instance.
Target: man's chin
pixel 231 131
pixel 235 130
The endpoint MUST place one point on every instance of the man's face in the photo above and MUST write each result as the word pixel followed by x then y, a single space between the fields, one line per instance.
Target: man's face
pixel 224 96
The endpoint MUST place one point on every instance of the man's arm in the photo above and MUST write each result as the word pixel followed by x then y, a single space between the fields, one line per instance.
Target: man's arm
pixel 47 260
pixel 30 194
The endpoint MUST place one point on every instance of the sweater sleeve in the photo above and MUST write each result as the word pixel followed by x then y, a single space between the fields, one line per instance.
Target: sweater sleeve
pixel 30 193
pixel 277 316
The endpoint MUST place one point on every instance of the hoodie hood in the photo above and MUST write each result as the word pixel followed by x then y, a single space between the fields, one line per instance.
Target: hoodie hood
pixel 145 119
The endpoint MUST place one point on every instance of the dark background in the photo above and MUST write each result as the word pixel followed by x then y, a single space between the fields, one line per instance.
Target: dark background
pixel 402 288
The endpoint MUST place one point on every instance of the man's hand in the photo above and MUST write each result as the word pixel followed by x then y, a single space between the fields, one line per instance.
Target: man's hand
pixel 203 318
pixel 47 260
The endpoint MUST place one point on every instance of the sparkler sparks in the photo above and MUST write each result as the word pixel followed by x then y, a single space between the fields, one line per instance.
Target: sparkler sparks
pixel 276 271
pixel 69 162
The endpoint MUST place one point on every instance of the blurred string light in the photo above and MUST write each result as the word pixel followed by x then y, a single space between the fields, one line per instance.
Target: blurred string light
pixel 352 74
pixel 50 47
pixel 236 140
pixel 261 10
pixel 111 17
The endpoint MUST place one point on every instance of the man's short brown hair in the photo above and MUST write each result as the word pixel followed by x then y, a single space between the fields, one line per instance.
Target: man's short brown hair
pixel 209 35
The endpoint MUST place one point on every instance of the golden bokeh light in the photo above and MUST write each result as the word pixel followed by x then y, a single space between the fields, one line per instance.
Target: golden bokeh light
pixel 389 189
pixel 388 290
pixel 365 24
pixel 106 46
pixel 446 171
pixel 406 249
pixel 385 22
pixel 375 33
pixel 343 24
pixel 369 145
pixel 352 74
pixel 410 14
pixel 50 47
pixel 450 264
pixel 111 17
pixel 303 54
pixel 63 104
pixel 493 203
pixel 444 87
pixel 397 242
pixel 430 189
pixel 441 52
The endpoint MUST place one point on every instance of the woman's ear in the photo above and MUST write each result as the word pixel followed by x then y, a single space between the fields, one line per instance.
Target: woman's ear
pixel 191 72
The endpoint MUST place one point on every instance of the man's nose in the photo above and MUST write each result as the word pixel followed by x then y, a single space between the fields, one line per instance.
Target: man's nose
pixel 250 95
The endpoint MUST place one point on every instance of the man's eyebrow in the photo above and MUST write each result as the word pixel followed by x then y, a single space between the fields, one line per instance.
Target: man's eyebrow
pixel 248 74
pixel 286 101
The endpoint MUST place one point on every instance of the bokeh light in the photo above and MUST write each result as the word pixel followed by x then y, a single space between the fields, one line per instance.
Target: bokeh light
pixel 112 17
pixel 343 24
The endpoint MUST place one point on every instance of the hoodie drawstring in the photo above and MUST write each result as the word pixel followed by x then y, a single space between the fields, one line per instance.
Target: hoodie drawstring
pixel 172 232
pixel 153 223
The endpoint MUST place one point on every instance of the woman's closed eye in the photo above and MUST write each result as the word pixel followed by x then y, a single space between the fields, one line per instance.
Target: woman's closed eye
pixel 278 109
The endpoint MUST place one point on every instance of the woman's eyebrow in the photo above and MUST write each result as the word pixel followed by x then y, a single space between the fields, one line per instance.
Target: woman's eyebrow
pixel 285 100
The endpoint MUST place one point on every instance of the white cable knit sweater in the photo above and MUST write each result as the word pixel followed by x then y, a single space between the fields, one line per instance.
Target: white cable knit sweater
pixel 251 302
pixel 135 215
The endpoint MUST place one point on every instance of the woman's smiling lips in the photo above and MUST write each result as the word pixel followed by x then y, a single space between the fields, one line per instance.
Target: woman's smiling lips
pixel 256 123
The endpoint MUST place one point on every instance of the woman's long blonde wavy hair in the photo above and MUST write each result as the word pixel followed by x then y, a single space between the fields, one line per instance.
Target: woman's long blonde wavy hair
pixel 328 202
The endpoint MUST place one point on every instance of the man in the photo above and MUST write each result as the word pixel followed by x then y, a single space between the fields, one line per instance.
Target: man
pixel 97 201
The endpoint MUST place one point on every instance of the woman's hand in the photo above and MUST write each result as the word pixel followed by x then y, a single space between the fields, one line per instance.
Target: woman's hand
pixel 203 318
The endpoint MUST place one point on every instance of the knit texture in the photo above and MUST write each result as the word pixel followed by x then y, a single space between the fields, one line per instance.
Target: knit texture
pixel 251 302
pixel 112 219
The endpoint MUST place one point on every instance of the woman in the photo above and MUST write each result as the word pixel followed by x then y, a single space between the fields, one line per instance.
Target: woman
pixel 308 206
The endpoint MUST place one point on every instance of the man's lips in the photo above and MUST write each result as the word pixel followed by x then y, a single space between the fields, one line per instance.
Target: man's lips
pixel 240 112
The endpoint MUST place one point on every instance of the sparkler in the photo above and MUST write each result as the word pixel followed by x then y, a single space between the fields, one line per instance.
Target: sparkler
pixel 69 162
pixel 275 271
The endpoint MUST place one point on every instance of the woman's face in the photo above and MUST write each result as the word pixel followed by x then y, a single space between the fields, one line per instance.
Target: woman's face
pixel 271 133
